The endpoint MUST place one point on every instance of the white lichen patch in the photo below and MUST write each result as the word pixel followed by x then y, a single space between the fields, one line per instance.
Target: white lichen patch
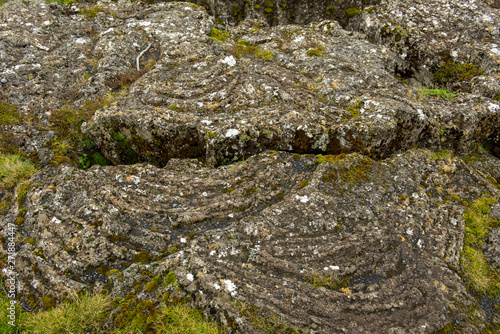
pixel 232 133
pixel 303 199
pixel 230 286
pixel 493 107
pixel 229 60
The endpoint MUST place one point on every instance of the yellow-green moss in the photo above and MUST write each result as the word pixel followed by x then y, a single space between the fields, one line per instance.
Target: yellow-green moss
pixel 442 93
pixel 143 256
pixel 112 272
pixel 330 10
pixel 355 109
pixel 135 316
pixel 316 52
pixel 303 183
pixel 481 275
pixel 349 173
pixel 443 154
pixel 170 279
pixel 353 11
pixel 330 282
pixel 451 72
pixel 153 285
pixel 245 50
pixel 329 158
pixel 218 36
pixel 9 114
pixel 497 96
pixel 91 13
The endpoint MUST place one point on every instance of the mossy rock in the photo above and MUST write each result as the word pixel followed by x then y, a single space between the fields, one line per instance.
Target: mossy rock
pixel 353 11
pixel 451 72
pixel 143 256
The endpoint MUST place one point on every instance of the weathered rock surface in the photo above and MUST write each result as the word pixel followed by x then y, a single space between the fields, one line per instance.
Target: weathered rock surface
pixel 393 229
pixel 207 179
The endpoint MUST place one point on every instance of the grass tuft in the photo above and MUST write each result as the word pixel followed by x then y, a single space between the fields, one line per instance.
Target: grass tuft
pixel 13 169
pixel 81 316
pixel 181 319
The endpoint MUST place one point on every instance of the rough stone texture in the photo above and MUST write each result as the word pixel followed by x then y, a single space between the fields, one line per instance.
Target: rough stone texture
pixel 195 90
pixel 394 227
pixel 214 188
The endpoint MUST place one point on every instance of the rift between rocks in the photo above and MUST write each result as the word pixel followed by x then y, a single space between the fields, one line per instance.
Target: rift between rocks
pixel 213 145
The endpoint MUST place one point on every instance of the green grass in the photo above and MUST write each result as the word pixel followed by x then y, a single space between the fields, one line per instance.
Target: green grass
pixel 6 324
pixel 437 92
pixel 89 312
pixel 13 169
pixel 84 313
pixel 482 277
pixel 70 142
pixel 181 319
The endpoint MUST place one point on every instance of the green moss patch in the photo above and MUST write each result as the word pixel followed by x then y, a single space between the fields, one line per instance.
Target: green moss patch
pixel 316 52
pixel 329 158
pixel 451 72
pixel 303 184
pixel 9 114
pixel 332 282
pixel 143 256
pixel 242 49
pixel 482 277
pixel 442 93
pixel 353 11
pixel 218 36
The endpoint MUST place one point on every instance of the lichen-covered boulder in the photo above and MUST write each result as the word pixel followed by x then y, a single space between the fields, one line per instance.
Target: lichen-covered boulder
pixel 350 244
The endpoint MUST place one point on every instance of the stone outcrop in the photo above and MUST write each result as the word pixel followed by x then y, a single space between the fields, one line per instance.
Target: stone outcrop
pixel 280 165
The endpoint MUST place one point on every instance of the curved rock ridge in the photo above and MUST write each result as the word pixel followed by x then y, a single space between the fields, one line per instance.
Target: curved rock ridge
pixel 385 235
pixel 322 91
pixel 222 95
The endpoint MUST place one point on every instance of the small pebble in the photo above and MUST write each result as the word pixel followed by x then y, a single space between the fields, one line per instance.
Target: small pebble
pixel 4 81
